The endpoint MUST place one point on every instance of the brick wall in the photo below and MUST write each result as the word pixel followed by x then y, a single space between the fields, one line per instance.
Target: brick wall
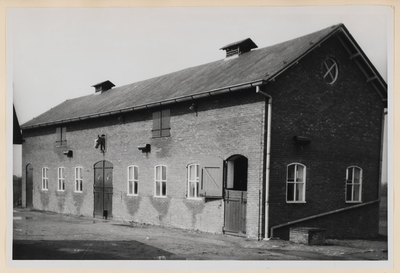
pixel 343 121
pixel 224 125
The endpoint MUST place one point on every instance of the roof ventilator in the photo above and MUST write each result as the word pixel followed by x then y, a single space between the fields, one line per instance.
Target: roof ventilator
pixel 103 86
pixel 238 48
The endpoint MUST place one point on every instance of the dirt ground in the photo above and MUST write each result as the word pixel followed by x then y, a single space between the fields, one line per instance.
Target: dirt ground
pixel 41 235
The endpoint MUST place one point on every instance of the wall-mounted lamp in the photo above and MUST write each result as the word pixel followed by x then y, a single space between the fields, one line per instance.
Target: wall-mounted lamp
pixel 193 108
pixel 68 153
pixel 301 140
pixel 145 148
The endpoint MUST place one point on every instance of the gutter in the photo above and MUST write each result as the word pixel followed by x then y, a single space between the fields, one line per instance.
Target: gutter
pixel 267 164
pixel 209 93
pixel 321 215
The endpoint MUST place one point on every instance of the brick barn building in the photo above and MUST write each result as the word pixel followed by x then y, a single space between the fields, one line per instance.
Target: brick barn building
pixel 264 140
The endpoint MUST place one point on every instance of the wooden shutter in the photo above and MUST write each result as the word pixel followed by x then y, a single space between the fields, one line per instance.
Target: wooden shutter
pixel 165 123
pixel 58 134
pixel 64 134
pixel 156 124
pixel 211 177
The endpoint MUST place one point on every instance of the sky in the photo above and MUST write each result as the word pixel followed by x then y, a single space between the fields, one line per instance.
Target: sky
pixel 55 54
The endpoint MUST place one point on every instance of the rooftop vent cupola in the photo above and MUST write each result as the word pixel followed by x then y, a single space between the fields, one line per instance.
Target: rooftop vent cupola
pixel 103 86
pixel 238 48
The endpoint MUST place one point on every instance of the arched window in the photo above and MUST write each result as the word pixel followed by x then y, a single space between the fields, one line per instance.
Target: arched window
pixel 193 180
pixel 295 183
pixel 133 180
pixel 160 174
pixel 45 178
pixel 61 179
pixel 353 184
pixel 78 179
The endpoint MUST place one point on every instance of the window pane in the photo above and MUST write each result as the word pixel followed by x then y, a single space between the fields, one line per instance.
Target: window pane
pixel 135 187
pixel 158 173
pixel 300 173
pixel 356 193
pixel 130 173
pixel 136 173
pixel 357 175
pixel 349 192
pixel 299 192
pixel 350 175
pixel 158 190
pixel 290 174
pixel 192 172
pixel 80 186
pixel 192 190
pixel 164 188
pixel 164 173
pixel 130 187
pixel 290 192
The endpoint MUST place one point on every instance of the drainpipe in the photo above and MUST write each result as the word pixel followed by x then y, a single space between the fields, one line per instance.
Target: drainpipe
pixel 383 127
pixel 267 170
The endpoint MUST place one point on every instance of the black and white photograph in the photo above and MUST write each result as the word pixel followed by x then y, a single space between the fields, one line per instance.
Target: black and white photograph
pixel 253 137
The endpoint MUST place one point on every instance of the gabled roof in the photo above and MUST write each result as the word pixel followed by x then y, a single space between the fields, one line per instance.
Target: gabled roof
pixel 253 68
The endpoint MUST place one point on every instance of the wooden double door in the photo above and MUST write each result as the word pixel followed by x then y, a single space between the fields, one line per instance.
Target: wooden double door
pixel 103 189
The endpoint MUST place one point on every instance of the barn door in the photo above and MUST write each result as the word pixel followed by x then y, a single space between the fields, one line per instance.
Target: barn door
pixel 235 196
pixel 103 189
pixel 235 212
pixel 29 186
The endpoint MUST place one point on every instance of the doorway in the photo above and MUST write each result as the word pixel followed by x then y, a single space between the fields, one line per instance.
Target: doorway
pixel 29 186
pixel 103 189
pixel 235 197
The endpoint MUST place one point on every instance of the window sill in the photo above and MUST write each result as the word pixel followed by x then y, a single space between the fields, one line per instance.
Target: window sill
pixel 296 202
pixel 60 190
pixel 155 196
pixel 78 191
pixel 132 195
pixel 45 189
pixel 353 202
pixel 195 198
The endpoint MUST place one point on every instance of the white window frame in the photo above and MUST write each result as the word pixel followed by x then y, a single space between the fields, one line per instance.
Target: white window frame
pixel 45 178
pixel 296 182
pixel 191 181
pixel 158 180
pixel 352 184
pixel 61 179
pixel 133 181
pixel 78 179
